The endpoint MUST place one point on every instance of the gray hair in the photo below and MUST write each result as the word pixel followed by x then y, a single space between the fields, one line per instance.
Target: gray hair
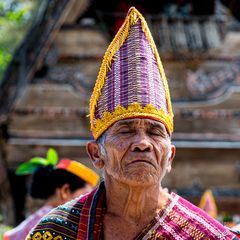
pixel 101 143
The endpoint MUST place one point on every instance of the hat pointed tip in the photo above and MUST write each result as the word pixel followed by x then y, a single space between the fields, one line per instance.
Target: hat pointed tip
pixel 132 10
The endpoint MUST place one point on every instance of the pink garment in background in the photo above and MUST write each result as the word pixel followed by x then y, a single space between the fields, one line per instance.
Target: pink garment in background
pixel 21 231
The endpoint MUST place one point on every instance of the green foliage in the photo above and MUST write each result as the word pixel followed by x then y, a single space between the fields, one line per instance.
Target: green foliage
pixel 5 58
pixel 30 166
pixel 227 218
pixel 3 229
pixel 16 17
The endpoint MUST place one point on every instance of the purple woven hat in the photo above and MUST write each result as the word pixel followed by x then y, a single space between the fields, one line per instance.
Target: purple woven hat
pixel 131 82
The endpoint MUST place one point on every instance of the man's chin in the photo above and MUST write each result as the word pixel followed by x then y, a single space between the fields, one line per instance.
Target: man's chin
pixel 141 179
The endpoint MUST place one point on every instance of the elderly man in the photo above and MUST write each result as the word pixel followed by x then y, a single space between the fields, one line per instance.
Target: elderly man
pixel 132 122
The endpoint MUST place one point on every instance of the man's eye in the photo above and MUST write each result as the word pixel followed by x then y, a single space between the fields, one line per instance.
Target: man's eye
pixel 156 133
pixel 125 131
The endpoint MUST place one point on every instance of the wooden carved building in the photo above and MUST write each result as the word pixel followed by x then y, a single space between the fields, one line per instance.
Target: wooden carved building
pixel 46 90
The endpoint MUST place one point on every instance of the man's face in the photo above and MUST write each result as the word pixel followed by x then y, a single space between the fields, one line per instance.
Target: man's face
pixel 138 151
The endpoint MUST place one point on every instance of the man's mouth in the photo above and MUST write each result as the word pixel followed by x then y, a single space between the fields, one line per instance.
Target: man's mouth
pixel 142 161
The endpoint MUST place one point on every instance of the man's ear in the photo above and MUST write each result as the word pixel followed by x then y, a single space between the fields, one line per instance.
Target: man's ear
pixel 95 155
pixel 171 157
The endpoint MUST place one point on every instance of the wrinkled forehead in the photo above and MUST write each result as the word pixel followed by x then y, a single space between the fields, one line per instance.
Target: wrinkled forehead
pixel 139 122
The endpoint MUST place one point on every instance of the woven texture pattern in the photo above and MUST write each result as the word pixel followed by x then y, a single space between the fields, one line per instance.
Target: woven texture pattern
pixel 134 76
pixel 83 219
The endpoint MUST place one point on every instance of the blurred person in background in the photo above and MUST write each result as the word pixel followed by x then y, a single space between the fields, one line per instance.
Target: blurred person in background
pixel 55 184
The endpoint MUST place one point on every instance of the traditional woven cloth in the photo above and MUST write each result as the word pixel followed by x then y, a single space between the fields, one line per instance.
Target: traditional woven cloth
pixel 83 219
pixel 64 220
pixel 78 219
pixel 131 82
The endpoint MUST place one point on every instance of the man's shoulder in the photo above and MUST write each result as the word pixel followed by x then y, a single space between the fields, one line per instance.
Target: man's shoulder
pixel 61 222
pixel 194 220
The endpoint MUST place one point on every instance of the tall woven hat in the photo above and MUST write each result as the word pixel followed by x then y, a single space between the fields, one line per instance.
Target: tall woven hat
pixel 131 81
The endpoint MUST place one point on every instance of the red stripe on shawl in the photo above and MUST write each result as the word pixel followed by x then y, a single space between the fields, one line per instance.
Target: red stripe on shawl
pixel 83 227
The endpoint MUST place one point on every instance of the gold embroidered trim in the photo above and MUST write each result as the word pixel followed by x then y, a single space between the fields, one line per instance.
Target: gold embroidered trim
pixel 45 236
pixel 133 110
pixel 131 19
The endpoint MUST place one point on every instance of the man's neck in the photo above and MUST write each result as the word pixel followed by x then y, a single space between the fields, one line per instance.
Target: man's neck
pixel 134 203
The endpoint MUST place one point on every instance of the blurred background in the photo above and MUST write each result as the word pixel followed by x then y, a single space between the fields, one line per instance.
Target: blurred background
pixel 50 54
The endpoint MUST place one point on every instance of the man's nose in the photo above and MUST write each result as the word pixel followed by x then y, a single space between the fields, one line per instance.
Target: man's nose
pixel 141 144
